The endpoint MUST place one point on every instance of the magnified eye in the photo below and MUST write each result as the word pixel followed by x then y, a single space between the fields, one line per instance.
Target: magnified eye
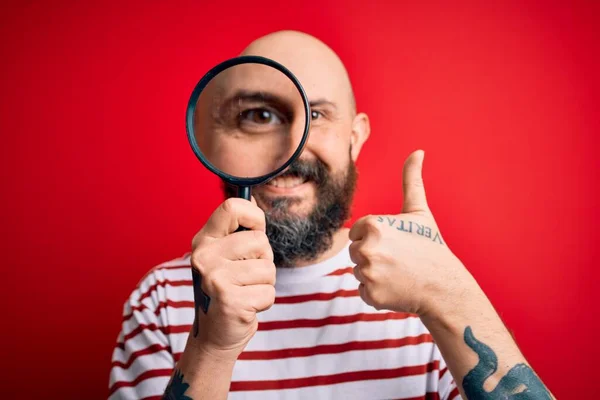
pixel 261 116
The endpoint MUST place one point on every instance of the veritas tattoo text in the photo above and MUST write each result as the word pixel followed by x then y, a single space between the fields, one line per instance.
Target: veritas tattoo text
pixel 411 227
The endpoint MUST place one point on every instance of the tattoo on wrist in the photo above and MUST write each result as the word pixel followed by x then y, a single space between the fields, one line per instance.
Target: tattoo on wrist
pixel 176 388
pixel 520 383
pixel 411 227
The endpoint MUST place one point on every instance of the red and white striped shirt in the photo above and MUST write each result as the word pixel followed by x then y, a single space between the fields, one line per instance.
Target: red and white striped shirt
pixel 318 341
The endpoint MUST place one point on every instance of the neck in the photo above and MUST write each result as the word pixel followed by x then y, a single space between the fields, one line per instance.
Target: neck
pixel 340 239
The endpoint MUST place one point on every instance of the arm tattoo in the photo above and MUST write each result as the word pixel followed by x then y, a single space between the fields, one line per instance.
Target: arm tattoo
pixel 520 383
pixel 411 227
pixel 176 388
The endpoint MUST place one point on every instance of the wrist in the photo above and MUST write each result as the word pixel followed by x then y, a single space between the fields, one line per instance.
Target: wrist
pixel 207 372
pixel 198 357
pixel 453 298
pixel 204 349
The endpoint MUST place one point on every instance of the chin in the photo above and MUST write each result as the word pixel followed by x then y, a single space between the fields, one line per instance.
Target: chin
pixel 293 205
pixel 301 209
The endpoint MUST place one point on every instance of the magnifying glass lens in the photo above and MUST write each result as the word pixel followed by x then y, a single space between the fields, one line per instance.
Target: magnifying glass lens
pixel 246 121
pixel 249 120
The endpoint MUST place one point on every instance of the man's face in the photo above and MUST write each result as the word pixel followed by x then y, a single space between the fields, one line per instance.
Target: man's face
pixel 311 200
pixel 308 203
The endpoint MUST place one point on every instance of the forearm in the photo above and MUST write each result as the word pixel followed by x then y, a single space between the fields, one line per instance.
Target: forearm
pixel 200 374
pixel 480 352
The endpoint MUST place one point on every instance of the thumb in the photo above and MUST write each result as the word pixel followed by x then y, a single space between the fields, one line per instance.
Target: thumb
pixel 412 184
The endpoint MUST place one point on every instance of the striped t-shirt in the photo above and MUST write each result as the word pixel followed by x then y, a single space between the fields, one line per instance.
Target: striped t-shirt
pixel 318 341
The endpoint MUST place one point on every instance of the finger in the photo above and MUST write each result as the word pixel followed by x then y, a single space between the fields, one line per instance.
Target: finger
pixel 412 184
pixel 357 230
pixel 245 245
pixel 362 291
pixel 252 272
pixel 356 255
pixel 232 214
pixel 259 297
pixel 358 274
pixel 365 226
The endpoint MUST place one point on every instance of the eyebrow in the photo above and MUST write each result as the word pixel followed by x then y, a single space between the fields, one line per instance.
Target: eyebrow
pixel 255 96
pixel 272 98
pixel 323 102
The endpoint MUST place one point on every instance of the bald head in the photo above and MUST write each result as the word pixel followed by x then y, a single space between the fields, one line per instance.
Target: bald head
pixel 319 69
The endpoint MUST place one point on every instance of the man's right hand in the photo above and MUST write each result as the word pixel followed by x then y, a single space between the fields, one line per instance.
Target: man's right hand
pixel 237 273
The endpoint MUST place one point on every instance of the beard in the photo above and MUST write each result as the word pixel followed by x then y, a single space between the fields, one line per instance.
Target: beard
pixel 294 237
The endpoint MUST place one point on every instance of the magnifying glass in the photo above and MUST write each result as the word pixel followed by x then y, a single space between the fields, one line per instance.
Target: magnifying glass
pixel 247 120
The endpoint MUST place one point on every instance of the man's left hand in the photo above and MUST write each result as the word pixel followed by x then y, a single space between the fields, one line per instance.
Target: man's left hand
pixel 402 261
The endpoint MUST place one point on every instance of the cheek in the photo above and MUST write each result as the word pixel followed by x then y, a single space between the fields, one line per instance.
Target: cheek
pixel 331 145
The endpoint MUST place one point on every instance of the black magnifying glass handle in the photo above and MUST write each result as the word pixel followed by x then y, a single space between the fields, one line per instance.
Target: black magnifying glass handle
pixel 201 299
pixel 244 192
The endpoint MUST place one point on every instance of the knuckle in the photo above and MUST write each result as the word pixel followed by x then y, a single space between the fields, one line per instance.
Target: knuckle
pixel 230 206
pixel 228 304
pixel 360 250
pixel 246 317
pixel 196 240
pixel 372 275
pixel 372 220
pixel 260 237
pixel 269 266
pixel 367 274
pixel 263 246
pixel 364 294
pixel 366 253
pixel 217 282
pixel 268 297
pixel 373 226
pixel 270 294
pixel 198 261
pixel 374 296
pixel 228 310
pixel 260 213
pixel 353 248
pixel 357 273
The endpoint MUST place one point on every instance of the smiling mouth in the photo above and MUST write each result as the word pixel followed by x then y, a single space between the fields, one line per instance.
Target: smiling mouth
pixel 287 181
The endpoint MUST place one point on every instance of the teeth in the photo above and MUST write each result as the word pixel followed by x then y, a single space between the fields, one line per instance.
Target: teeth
pixel 287 182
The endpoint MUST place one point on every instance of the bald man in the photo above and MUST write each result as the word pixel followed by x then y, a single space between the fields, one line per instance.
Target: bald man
pixel 304 308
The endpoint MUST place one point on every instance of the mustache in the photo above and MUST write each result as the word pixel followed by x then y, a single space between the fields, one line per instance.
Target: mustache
pixel 314 170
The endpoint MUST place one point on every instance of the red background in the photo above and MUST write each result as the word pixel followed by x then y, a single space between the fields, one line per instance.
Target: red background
pixel 99 184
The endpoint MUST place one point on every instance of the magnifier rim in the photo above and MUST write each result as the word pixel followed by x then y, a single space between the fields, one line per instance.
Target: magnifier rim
pixel 191 108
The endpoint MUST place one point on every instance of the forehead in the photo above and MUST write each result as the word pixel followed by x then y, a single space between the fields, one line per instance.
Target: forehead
pixel 320 81
pixel 252 75
pixel 253 78
pixel 318 69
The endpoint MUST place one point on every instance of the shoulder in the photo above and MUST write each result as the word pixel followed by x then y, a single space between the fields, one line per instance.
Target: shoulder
pixel 159 284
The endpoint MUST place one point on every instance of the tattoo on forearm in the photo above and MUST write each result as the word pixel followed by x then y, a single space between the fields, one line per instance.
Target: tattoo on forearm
pixel 411 227
pixel 520 383
pixel 176 388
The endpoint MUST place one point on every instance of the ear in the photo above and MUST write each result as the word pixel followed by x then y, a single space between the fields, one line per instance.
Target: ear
pixel 361 129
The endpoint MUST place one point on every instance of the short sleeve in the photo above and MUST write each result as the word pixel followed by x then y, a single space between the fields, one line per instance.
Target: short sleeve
pixel 142 361
pixel 447 388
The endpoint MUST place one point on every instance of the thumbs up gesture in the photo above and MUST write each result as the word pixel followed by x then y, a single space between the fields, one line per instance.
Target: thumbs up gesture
pixel 402 261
